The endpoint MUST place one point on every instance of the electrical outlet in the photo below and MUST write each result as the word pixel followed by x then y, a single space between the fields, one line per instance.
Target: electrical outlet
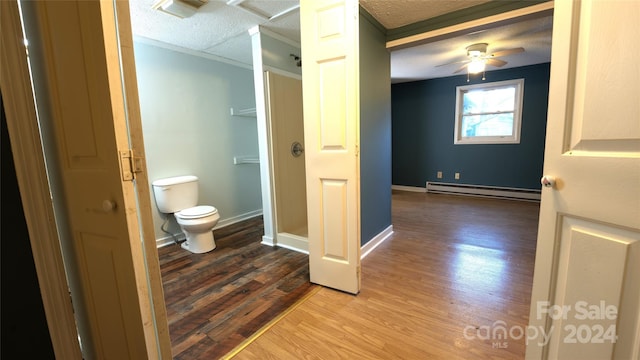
pixel 457 176
pixel 439 175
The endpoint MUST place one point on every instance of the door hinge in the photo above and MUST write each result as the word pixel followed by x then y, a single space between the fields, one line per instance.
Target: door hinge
pixel 129 164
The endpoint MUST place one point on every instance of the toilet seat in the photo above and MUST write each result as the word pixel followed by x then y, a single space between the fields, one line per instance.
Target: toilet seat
pixel 196 212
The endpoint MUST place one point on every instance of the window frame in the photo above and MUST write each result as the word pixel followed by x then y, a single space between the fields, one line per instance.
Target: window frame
pixel 518 84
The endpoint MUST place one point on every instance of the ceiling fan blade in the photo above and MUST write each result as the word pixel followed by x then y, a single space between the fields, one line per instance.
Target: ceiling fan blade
pixel 507 52
pixel 461 68
pixel 495 62
pixel 454 62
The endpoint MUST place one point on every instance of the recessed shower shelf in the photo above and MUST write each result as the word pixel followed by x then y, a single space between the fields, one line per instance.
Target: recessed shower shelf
pixel 250 112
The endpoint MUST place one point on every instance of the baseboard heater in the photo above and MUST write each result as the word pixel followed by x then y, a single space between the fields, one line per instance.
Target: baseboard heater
pixel 484 191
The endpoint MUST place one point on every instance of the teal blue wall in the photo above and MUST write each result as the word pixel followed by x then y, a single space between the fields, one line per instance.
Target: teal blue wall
pixel 423 114
pixel 375 131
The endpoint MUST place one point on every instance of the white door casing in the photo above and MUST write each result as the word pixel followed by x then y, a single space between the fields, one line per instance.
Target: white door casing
pixel 330 80
pixel 149 254
pixel 586 290
pixel 87 106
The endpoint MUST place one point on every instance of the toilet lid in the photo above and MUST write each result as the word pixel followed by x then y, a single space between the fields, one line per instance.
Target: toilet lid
pixel 197 212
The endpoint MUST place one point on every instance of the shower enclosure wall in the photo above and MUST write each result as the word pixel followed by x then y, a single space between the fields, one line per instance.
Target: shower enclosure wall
pixel 278 87
pixel 284 109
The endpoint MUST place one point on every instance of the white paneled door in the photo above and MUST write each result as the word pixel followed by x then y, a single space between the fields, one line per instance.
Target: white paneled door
pixel 330 82
pixel 586 292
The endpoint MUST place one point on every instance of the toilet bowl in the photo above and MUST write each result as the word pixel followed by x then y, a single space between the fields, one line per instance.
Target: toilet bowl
pixel 179 196
pixel 197 223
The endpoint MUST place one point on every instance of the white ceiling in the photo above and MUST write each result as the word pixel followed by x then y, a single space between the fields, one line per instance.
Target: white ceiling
pixel 217 28
pixel 396 13
pixel 221 30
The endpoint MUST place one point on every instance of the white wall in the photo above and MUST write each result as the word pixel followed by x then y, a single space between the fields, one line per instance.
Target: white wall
pixel 188 129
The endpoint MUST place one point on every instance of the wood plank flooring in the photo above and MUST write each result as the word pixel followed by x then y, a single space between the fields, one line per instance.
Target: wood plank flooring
pixel 453 263
pixel 218 299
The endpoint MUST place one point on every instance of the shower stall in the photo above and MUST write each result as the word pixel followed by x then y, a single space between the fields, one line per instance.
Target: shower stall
pixel 286 129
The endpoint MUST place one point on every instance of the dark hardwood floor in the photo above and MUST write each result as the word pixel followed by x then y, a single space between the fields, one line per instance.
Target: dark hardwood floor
pixel 455 269
pixel 217 300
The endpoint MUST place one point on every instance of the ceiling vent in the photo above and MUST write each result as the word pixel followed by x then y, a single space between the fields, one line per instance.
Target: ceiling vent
pixel 266 10
pixel 179 8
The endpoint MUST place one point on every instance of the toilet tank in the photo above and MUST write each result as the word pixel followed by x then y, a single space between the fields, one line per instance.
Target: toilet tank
pixel 176 193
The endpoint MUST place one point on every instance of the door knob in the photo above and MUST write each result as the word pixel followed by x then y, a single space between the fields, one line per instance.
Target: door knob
pixel 548 181
pixel 296 149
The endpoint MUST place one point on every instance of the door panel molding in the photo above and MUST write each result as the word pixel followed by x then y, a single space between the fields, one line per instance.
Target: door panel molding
pixel 589 230
pixel 330 42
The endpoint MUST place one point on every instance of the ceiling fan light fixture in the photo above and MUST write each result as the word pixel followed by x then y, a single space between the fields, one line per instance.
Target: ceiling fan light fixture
pixel 476 66
pixel 475 50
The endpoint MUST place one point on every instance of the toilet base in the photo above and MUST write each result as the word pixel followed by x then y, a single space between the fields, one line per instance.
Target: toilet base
pixel 199 243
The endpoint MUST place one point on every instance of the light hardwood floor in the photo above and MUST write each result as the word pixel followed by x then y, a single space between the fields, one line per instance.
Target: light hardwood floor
pixel 453 263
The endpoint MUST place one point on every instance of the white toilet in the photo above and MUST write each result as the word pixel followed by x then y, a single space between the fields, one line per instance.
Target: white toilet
pixel 179 195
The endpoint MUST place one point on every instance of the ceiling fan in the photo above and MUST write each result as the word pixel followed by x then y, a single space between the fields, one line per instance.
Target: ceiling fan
pixel 478 58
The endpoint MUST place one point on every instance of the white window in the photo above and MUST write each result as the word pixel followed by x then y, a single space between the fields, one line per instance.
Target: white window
pixel 489 113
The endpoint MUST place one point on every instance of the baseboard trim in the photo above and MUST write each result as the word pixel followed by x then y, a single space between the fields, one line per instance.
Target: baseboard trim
pixel 408 188
pixel 236 219
pixel 267 240
pixel 293 242
pixel 497 192
pixel 301 244
pixel 367 248
pixel 285 240
pixel 168 240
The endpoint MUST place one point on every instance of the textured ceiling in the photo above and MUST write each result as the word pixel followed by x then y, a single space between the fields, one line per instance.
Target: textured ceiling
pixel 221 30
pixel 396 13
pixel 216 28
pixel 424 61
